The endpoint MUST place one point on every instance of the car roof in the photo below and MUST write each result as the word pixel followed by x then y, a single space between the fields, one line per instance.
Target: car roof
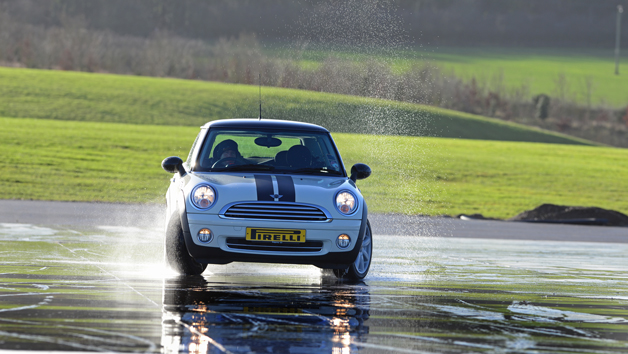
pixel 274 124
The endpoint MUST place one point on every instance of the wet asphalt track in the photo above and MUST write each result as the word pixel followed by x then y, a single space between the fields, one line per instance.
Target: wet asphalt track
pixel 90 277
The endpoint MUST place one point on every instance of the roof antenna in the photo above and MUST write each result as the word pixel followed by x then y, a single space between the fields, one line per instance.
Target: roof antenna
pixel 260 96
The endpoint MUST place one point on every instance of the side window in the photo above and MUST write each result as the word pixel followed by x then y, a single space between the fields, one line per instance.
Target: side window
pixel 188 161
pixel 205 155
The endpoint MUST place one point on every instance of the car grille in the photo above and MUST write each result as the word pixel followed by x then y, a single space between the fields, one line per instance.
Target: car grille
pixel 276 211
pixel 242 244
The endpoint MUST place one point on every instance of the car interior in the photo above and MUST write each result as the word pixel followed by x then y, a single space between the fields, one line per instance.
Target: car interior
pixel 279 151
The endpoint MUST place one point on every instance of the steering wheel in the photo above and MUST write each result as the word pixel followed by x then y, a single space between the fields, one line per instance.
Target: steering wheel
pixel 226 162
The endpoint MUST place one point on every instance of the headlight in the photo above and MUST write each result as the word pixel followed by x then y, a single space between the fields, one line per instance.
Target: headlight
pixel 203 196
pixel 346 202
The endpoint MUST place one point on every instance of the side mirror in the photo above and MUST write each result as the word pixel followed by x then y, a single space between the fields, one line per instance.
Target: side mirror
pixel 173 164
pixel 360 171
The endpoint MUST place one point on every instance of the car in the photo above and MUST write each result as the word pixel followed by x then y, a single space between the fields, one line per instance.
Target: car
pixel 270 191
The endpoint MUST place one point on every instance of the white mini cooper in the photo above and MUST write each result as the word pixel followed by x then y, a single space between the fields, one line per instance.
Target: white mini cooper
pixel 266 191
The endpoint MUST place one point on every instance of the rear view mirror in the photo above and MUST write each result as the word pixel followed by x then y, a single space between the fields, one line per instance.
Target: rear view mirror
pixel 268 141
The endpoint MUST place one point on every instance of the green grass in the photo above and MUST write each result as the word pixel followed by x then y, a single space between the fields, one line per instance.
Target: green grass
pixel 540 69
pixel 144 100
pixel 499 179
pixel 506 69
pixel 89 161
pixel 82 146
pixel 93 161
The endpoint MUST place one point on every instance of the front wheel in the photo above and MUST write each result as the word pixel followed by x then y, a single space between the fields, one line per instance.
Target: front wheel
pixel 358 269
pixel 177 254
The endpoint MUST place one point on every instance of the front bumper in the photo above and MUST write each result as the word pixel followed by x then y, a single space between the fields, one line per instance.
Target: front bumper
pixel 219 251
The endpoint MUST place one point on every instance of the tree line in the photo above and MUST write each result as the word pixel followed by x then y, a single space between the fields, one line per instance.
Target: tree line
pixel 72 46
pixel 576 23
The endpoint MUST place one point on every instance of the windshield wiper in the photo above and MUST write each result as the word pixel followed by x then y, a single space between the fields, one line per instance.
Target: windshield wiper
pixel 317 170
pixel 249 167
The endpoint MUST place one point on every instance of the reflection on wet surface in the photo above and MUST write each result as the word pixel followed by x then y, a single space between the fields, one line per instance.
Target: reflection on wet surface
pixel 106 289
pixel 201 316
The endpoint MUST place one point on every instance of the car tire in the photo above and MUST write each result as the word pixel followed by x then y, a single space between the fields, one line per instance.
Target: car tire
pixel 360 268
pixel 177 255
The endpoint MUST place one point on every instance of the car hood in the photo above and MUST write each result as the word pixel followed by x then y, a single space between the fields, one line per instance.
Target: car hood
pixel 232 188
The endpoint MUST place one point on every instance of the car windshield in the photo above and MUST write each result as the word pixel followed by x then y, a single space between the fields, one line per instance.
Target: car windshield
pixel 269 151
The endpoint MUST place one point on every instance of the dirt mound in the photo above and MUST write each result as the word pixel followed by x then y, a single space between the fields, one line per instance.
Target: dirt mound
pixel 551 213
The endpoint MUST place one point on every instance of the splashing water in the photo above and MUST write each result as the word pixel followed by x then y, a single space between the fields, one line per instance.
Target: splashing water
pixel 373 38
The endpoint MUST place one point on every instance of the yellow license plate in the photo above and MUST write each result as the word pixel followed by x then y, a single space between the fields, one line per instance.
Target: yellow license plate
pixel 274 235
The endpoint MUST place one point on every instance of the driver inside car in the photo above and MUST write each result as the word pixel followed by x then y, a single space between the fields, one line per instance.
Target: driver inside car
pixel 226 154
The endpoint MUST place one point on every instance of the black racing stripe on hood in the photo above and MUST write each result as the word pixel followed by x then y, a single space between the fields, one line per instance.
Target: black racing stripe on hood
pixel 285 187
pixel 264 184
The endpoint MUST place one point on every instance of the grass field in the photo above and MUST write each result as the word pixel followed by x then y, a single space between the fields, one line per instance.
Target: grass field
pixel 94 137
pixel 92 161
pixel 509 68
pixel 145 100
pixel 540 70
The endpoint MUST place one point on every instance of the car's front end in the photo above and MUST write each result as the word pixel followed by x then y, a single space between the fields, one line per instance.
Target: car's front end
pixel 302 226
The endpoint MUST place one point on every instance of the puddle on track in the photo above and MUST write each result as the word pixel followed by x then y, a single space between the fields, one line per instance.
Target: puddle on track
pixel 106 289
